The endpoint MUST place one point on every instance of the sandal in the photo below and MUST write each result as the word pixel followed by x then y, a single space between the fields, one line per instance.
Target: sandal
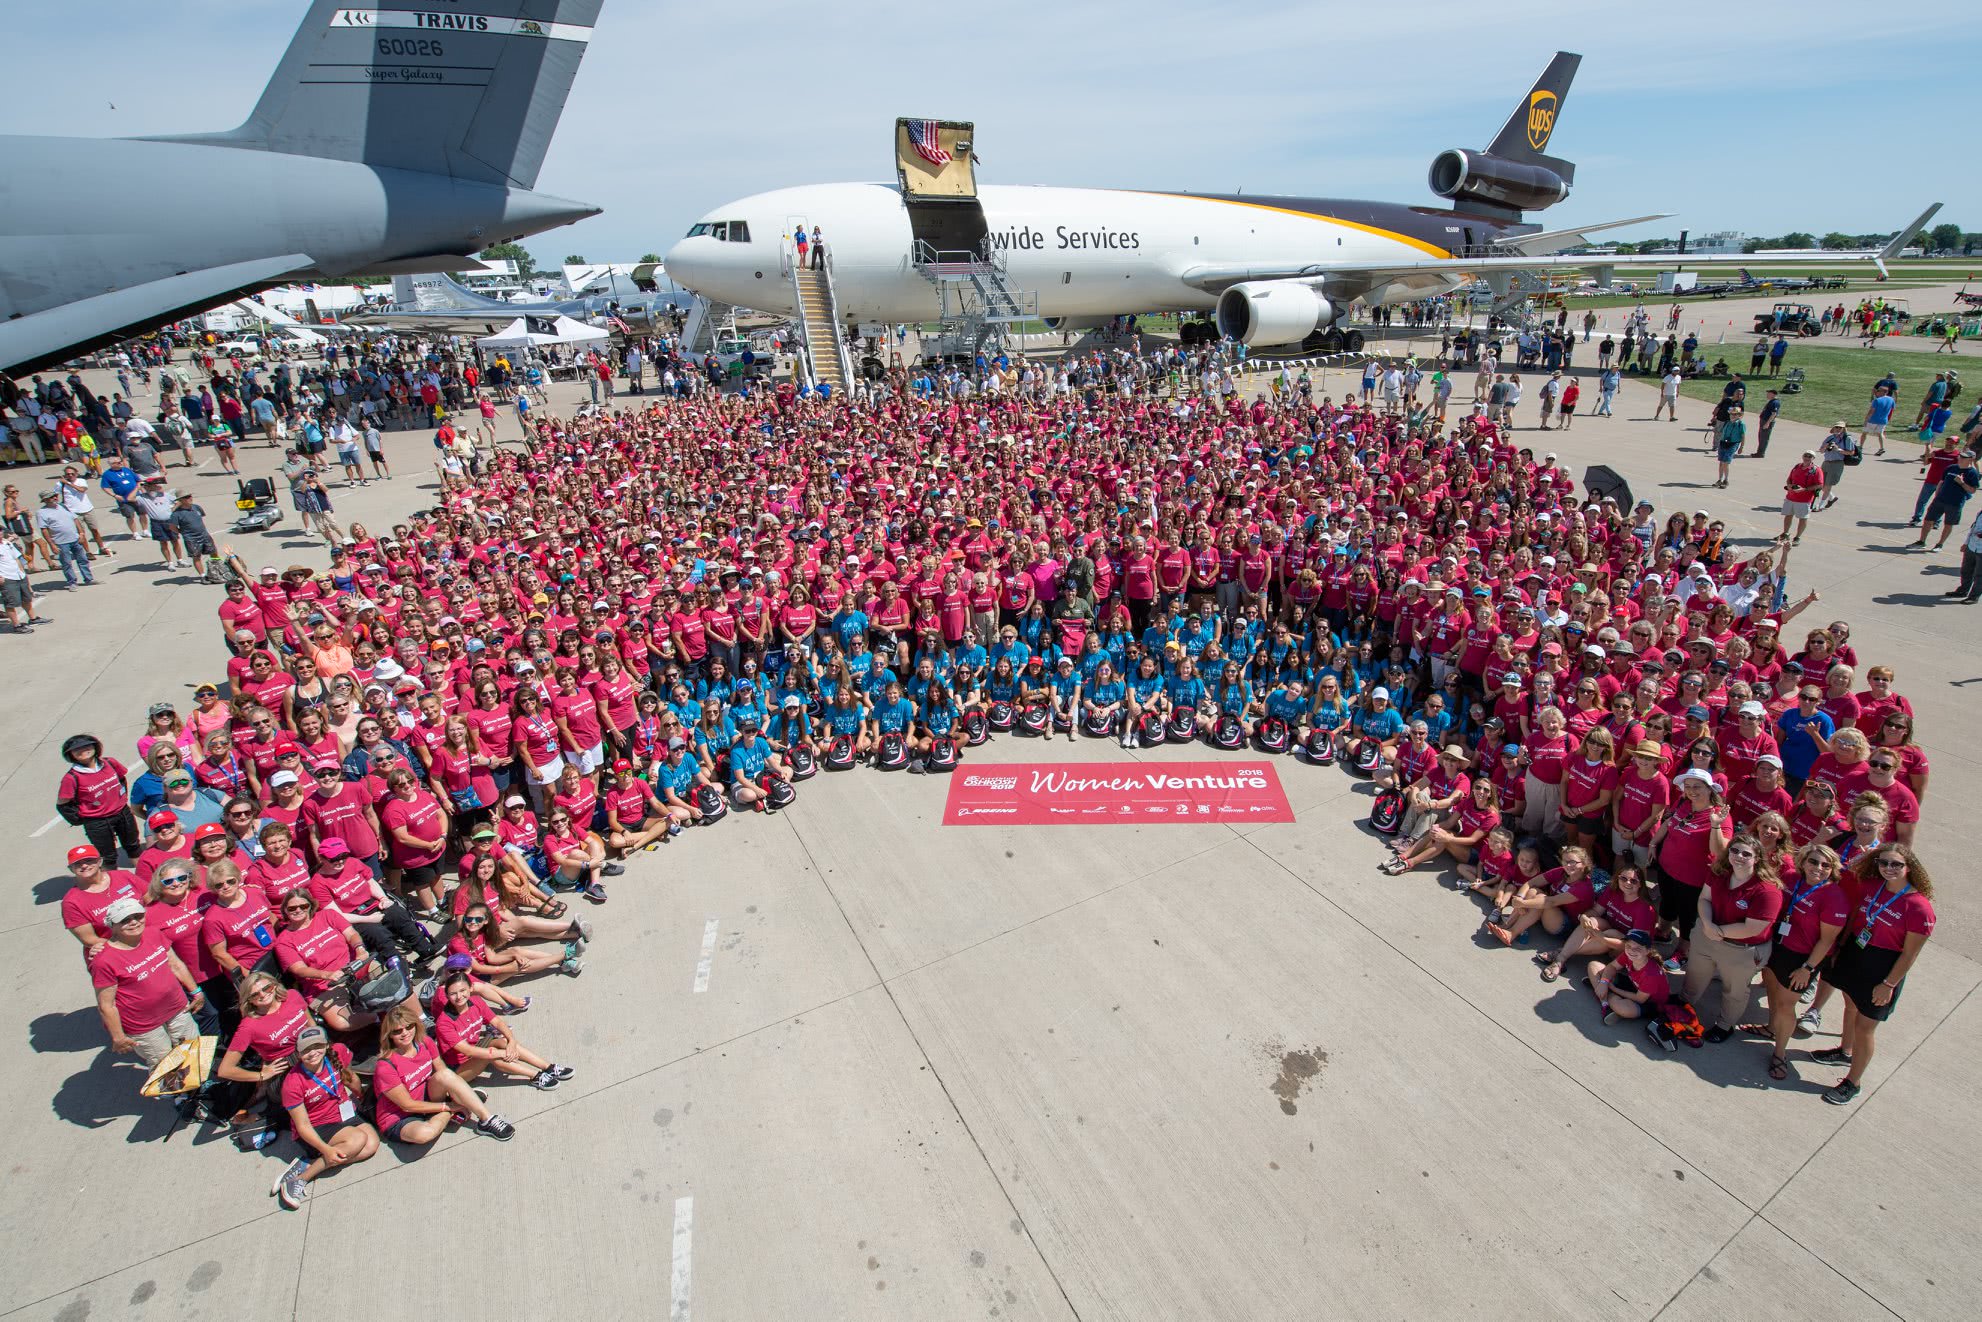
pixel 1395 867
pixel 555 909
pixel 1778 1068
pixel 1550 973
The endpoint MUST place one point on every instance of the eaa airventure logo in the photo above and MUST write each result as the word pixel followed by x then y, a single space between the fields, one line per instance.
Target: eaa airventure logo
pixel 1541 117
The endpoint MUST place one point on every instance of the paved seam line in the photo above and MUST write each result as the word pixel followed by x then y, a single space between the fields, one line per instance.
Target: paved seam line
pixel 148 1258
pixel 989 1166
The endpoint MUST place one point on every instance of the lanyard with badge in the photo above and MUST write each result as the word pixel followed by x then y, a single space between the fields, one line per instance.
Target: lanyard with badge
pixel 1874 913
pixel 1796 897
pixel 331 1087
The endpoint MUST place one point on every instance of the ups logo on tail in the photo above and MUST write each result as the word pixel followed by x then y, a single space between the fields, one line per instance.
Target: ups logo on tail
pixel 1541 117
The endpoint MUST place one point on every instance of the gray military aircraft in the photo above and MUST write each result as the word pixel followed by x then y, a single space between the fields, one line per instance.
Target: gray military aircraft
pixel 389 140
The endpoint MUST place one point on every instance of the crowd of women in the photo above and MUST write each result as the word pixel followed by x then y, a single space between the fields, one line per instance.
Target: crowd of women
pixel 1602 720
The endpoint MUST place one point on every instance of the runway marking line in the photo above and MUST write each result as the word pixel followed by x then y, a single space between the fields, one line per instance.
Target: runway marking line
pixel 679 1277
pixel 709 931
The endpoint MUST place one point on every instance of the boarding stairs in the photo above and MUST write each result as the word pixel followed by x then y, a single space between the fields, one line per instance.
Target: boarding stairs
pixel 823 358
pixel 708 323
pixel 976 300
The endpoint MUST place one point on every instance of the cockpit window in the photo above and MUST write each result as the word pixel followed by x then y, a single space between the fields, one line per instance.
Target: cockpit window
pixel 727 231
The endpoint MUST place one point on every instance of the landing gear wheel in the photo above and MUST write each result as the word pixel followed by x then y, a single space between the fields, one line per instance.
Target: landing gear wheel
pixel 1331 340
pixel 1352 341
pixel 873 368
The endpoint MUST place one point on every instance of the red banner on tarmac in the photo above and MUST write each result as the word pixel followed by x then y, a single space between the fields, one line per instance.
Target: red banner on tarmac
pixel 1114 793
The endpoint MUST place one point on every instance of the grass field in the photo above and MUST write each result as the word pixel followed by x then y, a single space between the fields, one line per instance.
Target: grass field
pixel 1839 379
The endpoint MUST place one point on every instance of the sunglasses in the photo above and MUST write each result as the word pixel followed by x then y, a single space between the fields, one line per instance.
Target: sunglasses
pixel 1884 766
pixel 1891 864
pixel 176 879
pixel 474 922
pixel 295 908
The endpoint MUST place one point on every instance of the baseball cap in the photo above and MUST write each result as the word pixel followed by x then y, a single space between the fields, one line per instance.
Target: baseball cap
pixel 1380 692
pixel 311 1036
pixel 621 764
pixel 282 778
pixel 516 801
pixel 1692 774
pixel 208 830
pixel 123 907
pixel 82 852
pixel 161 819
pixel 1769 759
pixel 1698 713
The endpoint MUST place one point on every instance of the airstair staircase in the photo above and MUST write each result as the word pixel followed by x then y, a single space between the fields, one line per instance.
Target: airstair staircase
pixel 824 360
pixel 976 299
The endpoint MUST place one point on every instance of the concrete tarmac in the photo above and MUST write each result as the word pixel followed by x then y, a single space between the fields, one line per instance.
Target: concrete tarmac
pixel 1195 1071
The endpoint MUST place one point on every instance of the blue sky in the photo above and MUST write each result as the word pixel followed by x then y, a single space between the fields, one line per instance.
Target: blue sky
pixel 1759 117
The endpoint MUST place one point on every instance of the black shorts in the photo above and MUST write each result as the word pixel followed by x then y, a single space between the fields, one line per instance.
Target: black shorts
pixel 1678 902
pixel 1783 962
pixel 1595 824
pixel 1857 970
pixel 328 1132
pixel 417 878
pixel 396 1131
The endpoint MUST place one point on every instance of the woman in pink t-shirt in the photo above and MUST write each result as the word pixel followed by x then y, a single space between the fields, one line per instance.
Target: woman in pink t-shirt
pixel 417 1095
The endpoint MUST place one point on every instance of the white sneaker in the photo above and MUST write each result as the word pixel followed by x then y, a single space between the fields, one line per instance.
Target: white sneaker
pixel 1807 1023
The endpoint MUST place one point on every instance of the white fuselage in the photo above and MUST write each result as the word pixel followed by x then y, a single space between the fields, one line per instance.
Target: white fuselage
pixel 1085 252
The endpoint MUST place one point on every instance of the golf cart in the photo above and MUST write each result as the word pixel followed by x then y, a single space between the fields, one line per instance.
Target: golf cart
pixel 1790 319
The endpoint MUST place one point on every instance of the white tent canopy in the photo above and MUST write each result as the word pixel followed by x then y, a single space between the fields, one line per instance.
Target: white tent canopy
pixel 528 331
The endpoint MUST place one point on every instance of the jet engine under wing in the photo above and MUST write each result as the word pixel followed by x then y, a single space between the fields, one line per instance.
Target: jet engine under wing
pixel 41 339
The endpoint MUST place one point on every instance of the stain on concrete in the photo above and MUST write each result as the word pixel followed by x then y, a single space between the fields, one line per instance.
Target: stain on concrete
pixel 1297 1068
pixel 977 1257
pixel 664 1117
pixel 873 1263
pixel 1018 1226
pixel 203 1276
pixel 145 1290
pixel 74 1311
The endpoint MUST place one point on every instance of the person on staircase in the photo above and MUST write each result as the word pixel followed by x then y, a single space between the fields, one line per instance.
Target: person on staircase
pixel 818 250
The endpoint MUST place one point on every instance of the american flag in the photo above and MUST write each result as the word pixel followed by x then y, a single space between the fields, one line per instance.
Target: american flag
pixel 922 137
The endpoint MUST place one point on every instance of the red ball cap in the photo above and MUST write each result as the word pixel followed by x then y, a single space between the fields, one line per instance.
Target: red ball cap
pixel 161 819
pixel 83 852
pixel 622 765
pixel 207 831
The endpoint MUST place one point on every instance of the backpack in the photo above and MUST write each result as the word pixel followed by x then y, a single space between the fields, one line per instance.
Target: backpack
pixel 1676 1022
pixel 1033 720
pixel 893 753
pixel 1183 725
pixel 1000 716
pixel 1273 734
pixel 1387 812
pixel 975 728
pixel 839 753
pixel 1150 729
pixel 942 755
pixel 1321 748
pixel 1369 756
pixel 803 765
pixel 1099 725
pixel 1229 733
pixel 712 803
pixel 777 789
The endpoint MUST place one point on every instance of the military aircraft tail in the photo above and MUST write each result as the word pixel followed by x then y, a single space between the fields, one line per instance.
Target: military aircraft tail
pixel 467 96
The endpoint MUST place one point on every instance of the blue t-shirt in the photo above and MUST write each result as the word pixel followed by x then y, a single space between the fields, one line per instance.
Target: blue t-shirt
pixel 1185 692
pixel 894 717
pixel 1799 750
pixel 1064 682
pixel 1882 411
pixel 1103 694
pixel 845 720
pixel 747 758
pixel 940 720
pixel 679 779
pixel 1145 686
pixel 1385 724
pixel 1282 703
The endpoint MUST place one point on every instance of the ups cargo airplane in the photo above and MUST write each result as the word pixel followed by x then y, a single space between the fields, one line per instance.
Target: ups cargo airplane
pixel 1273 270
pixel 388 140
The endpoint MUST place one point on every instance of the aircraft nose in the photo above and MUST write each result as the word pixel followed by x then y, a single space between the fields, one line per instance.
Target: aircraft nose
pixel 691 262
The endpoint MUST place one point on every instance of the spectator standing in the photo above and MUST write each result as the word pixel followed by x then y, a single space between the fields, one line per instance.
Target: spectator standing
pixel 65 534
pixel 1969 589
pixel 1765 423
pixel 16 592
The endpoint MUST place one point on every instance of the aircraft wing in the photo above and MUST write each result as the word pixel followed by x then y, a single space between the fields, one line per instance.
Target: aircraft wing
pixel 1352 278
pixel 42 339
pixel 1549 241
